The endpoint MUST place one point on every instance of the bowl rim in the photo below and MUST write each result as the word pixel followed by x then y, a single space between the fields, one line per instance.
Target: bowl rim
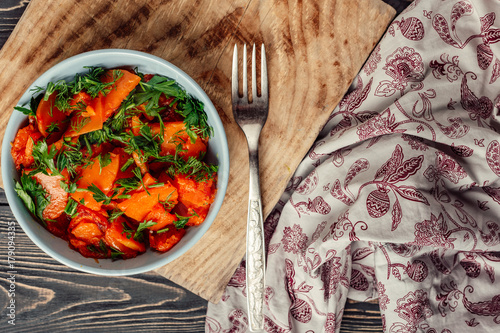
pixel 222 156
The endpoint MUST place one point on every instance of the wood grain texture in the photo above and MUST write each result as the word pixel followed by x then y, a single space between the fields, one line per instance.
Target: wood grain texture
pixel 52 297
pixel 314 50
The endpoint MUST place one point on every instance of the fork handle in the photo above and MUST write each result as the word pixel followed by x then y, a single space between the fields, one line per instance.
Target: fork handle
pixel 255 257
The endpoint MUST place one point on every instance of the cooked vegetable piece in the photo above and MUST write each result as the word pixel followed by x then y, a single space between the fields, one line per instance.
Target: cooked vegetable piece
pixel 59 226
pixel 123 159
pixel 22 147
pixel 176 140
pixel 136 124
pixel 58 196
pixel 49 118
pixel 193 149
pixel 141 203
pixel 120 236
pixel 166 240
pixel 193 193
pixel 140 161
pixel 86 120
pixel 79 100
pixel 86 198
pixel 102 172
pixel 86 233
pixel 121 89
pixel 160 217
pixel 195 196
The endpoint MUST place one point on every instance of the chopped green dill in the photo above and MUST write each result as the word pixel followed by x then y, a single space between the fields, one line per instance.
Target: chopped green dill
pixel 156 185
pixel 145 145
pixel 137 173
pixel 127 164
pixel 115 214
pixel 193 167
pixel 167 204
pixel 102 249
pixel 79 108
pixel 53 127
pixel 44 158
pixel 70 156
pixel 115 254
pixel 68 188
pixel 71 207
pixel 128 184
pixel 99 195
pixel 188 106
pixel 181 221
pixel 195 118
pixel 145 225
pixel 139 234
pixel 91 82
pixel 118 121
pixel 79 123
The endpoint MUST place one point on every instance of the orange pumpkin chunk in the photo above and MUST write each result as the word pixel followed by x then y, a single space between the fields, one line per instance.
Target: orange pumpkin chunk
pixel 166 240
pixel 49 118
pixel 142 202
pixel 120 90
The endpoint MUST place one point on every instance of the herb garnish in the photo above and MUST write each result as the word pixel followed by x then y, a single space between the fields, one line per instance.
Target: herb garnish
pixel 139 233
pixel 44 157
pixel 193 167
pixel 182 220
pixel 33 195
pixel 188 106
pixel 71 207
pixel 70 156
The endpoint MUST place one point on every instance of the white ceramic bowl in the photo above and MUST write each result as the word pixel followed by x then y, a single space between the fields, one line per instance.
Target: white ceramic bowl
pixel 58 248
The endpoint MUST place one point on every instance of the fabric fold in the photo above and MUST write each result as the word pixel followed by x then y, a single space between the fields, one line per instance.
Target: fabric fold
pixel 399 197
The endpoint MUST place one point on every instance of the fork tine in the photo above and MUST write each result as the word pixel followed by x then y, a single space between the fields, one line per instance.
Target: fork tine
pixel 263 74
pixel 245 76
pixel 234 79
pixel 254 75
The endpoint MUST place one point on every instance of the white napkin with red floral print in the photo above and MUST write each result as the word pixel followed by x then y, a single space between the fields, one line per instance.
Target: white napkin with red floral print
pixel 399 198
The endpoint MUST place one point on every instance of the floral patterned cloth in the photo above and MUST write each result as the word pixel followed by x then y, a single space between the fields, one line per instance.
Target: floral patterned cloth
pixel 399 198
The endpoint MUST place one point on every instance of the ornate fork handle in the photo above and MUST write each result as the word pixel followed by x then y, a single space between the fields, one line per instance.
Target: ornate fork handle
pixel 255 263
pixel 251 117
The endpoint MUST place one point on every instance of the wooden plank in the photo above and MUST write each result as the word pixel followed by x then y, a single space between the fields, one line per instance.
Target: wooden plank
pixel 361 317
pixel 314 50
pixel 51 297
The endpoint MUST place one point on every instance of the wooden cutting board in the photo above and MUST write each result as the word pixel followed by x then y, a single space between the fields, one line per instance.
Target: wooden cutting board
pixel 314 50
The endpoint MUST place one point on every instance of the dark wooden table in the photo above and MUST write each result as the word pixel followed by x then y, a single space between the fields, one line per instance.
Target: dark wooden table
pixel 50 297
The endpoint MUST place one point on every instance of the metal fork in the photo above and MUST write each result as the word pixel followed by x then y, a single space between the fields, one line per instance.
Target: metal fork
pixel 251 117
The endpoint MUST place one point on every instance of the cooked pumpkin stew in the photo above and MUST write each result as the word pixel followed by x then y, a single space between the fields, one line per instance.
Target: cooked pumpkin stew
pixel 114 162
